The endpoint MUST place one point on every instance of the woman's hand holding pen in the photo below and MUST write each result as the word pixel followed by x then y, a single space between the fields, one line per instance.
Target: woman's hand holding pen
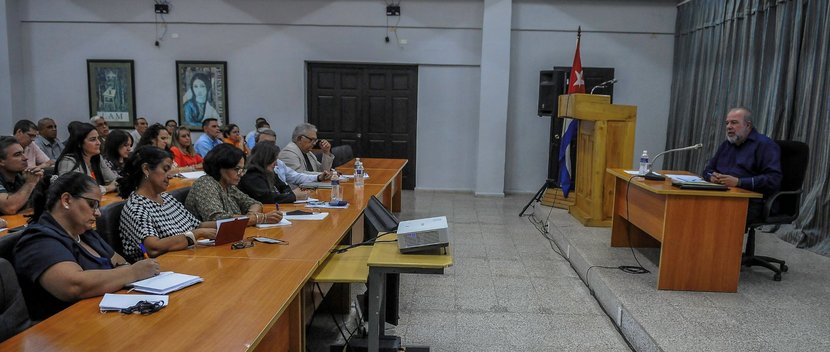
pixel 145 268
pixel 272 217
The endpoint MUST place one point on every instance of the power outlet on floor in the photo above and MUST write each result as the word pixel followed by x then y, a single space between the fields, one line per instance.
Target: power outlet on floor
pixel 619 315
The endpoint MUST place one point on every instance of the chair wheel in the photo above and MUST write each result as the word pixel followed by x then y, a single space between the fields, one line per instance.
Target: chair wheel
pixel 784 268
pixel 776 277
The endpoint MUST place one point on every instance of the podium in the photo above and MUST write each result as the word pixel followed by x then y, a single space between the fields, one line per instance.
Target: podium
pixel 605 140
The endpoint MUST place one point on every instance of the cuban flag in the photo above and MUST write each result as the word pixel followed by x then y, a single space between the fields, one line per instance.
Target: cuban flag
pixel 576 84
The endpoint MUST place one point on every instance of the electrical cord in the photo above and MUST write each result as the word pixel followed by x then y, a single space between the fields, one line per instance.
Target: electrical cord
pixel 364 243
pixel 336 323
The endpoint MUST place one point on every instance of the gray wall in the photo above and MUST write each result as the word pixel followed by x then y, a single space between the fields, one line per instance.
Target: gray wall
pixel 267 43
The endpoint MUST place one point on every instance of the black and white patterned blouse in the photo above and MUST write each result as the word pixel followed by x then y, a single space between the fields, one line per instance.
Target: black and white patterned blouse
pixel 142 217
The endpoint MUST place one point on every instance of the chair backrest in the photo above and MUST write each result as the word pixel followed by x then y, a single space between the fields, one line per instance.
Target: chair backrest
pixel 14 316
pixel 342 154
pixel 7 243
pixel 107 225
pixel 180 194
pixel 378 219
pixel 794 158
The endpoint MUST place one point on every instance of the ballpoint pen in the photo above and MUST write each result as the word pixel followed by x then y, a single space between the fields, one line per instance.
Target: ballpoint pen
pixel 143 250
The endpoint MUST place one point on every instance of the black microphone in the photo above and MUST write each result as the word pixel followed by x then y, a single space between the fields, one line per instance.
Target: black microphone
pixel 605 84
pixel 650 175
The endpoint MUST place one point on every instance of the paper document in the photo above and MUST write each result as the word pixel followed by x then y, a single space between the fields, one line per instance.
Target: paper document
pixel 193 174
pixel 633 172
pixel 685 178
pixel 166 282
pixel 114 301
pixel 282 222
pixel 350 177
pixel 315 216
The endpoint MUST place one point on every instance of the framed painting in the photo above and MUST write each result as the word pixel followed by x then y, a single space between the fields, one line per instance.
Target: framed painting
pixel 202 88
pixel 112 91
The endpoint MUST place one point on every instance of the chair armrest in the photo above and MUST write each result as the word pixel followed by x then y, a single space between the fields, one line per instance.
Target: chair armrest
pixel 769 202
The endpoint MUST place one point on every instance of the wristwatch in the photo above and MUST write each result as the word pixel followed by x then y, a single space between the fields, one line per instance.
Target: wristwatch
pixel 191 238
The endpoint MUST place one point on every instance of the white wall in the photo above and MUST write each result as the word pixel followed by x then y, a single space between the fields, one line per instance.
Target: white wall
pixel 267 43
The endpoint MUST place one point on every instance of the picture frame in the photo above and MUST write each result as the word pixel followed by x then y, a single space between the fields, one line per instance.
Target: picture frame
pixel 210 96
pixel 111 86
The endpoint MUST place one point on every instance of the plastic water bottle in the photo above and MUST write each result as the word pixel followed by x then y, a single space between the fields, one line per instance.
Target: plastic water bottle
pixel 644 163
pixel 336 191
pixel 358 173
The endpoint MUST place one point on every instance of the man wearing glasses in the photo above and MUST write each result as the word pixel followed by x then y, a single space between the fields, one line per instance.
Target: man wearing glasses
pixel 25 133
pixel 298 156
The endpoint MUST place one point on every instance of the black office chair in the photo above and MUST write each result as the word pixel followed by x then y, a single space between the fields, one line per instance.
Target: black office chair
pixel 782 207
pixel 378 219
pixel 342 154
pixel 180 194
pixel 107 225
pixel 14 315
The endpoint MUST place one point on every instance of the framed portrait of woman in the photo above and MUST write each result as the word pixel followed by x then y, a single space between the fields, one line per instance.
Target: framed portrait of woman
pixel 202 92
pixel 112 91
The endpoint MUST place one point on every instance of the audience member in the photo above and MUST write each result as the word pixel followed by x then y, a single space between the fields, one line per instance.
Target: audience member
pixel 25 132
pixel 102 126
pixel 746 159
pixel 48 140
pixel 234 138
pixel 151 216
pixel 117 150
pixel 285 173
pixel 184 154
pixel 18 179
pixel 210 138
pixel 140 126
pixel 60 258
pixel 83 154
pixel 171 126
pixel 297 154
pixel 215 195
pixel 155 135
pixel 250 139
pixel 261 182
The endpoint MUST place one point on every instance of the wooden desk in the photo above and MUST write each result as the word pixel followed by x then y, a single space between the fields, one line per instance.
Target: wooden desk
pixel 378 163
pixel 234 309
pixel 250 298
pixel 700 232
pixel 381 167
pixel 386 258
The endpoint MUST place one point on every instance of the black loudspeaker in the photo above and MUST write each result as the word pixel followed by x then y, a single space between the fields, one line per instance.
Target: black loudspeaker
pixel 548 94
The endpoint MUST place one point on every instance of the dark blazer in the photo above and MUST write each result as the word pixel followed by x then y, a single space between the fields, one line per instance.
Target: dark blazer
pixel 255 184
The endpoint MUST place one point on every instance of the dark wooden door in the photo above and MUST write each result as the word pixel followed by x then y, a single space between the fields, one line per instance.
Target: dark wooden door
pixel 372 108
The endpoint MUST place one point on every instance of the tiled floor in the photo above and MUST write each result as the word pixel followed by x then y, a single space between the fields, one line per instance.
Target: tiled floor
pixel 508 290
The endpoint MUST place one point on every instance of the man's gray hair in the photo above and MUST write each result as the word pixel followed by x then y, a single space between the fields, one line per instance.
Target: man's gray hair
pixel 262 131
pixel 95 119
pixel 301 130
pixel 746 113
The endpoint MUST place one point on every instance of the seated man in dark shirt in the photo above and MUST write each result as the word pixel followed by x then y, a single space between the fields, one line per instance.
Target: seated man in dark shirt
pixel 17 180
pixel 746 159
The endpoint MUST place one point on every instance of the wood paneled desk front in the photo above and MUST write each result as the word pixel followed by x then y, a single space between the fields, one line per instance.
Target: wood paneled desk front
pixel 383 166
pixel 700 232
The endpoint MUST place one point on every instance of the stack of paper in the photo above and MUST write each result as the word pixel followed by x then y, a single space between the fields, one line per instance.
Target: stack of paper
pixel 165 283
pixel 193 174
pixel 112 301
pixel 282 222
pixel 325 205
pixel 313 216
pixel 309 199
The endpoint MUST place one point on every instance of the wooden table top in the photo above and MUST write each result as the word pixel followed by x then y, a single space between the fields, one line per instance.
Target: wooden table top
pixel 350 266
pixel 665 186
pixel 376 176
pixel 226 312
pixel 378 163
pixel 387 254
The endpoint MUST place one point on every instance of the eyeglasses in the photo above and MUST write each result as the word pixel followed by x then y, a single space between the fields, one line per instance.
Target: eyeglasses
pixel 144 307
pixel 313 140
pixel 240 170
pixel 93 203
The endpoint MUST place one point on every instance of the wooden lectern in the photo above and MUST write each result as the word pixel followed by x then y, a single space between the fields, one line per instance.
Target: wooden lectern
pixel 605 140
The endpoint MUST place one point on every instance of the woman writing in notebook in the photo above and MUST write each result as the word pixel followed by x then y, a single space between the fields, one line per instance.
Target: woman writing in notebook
pixel 152 217
pixel 60 258
pixel 215 195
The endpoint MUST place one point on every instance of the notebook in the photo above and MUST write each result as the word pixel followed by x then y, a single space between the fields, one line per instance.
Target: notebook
pixel 282 222
pixel 230 230
pixel 116 302
pixel 165 283
pixel 307 216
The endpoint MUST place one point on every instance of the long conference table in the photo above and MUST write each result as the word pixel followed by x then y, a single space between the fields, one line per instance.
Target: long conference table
pixel 250 298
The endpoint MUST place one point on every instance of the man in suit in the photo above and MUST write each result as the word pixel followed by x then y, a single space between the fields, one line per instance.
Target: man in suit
pixel 746 159
pixel 297 154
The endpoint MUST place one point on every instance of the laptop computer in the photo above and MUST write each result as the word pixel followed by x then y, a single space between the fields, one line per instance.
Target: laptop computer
pixel 228 231
pixel 422 235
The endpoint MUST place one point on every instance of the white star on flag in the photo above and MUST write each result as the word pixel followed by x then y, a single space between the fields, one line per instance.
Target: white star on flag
pixel 579 80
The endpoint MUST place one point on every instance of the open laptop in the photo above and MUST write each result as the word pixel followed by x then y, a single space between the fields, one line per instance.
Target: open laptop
pixel 423 235
pixel 228 231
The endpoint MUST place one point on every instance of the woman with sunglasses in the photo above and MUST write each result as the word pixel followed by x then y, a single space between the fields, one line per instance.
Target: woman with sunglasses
pixel 60 258
pixel 152 217
pixel 215 195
